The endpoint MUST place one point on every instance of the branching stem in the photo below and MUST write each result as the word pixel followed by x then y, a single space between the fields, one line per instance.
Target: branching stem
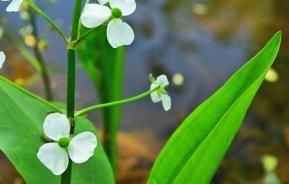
pixel 66 176
pixel 120 102
pixel 48 19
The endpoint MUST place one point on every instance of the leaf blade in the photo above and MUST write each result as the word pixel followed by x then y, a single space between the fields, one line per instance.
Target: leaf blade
pixel 191 165
pixel 21 119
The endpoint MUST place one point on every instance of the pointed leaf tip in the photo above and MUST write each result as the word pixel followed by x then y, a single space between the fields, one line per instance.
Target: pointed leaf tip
pixel 196 149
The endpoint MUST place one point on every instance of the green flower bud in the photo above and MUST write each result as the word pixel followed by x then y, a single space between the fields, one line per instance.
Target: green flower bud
pixel 151 78
pixel 116 13
pixel 63 142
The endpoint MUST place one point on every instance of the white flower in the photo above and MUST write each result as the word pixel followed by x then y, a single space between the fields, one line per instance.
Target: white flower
pixel 2 58
pixel 55 156
pixel 161 95
pixel 14 6
pixel 119 33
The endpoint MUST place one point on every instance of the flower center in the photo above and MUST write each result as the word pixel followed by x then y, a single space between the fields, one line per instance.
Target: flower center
pixel 116 13
pixel 63 142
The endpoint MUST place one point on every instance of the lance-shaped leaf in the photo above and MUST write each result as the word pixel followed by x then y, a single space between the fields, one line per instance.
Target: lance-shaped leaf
pixel 197 147
pixel 21 120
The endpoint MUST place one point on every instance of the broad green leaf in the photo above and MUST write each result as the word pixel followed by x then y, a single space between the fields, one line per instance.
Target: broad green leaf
pixel 21 120
pixel 105 66
pixel 197 147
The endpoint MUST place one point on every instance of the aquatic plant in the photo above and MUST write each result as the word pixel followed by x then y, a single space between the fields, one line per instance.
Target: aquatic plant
pixel 65 149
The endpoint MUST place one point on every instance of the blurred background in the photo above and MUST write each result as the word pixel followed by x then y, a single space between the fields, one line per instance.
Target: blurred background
pixel 198 44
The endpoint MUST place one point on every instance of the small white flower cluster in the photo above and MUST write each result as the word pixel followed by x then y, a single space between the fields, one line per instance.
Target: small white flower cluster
pixel 119 33
pixel 55 156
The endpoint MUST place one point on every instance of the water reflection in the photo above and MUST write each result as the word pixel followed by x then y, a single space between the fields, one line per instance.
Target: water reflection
pixel 198 44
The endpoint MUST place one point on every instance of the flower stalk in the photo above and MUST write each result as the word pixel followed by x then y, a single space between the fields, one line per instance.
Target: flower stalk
pixel 66 177
pixel 119 102
pixel 70 84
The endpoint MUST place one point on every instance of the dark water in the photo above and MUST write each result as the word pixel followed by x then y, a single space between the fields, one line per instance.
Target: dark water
pixel 204 42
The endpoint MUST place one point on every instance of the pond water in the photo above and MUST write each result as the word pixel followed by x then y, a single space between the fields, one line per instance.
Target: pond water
pixel 198 44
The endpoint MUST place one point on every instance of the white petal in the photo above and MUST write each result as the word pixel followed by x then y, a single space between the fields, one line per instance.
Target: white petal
pixel 82 147
pixel 166 102
pixel 126 6
pixel 56 126
pixel 14 6
pixel 53 157
pixel 103 2
pixel 155 96
pixel 94 15
pixel 163 80
pixel 2 59
pixel 119 33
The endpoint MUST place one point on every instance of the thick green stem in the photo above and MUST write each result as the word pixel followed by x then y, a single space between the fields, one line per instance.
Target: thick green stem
pixel 76 18
pixel 38 55
pixel 70 83
pixel 120 102
pixel 66 177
